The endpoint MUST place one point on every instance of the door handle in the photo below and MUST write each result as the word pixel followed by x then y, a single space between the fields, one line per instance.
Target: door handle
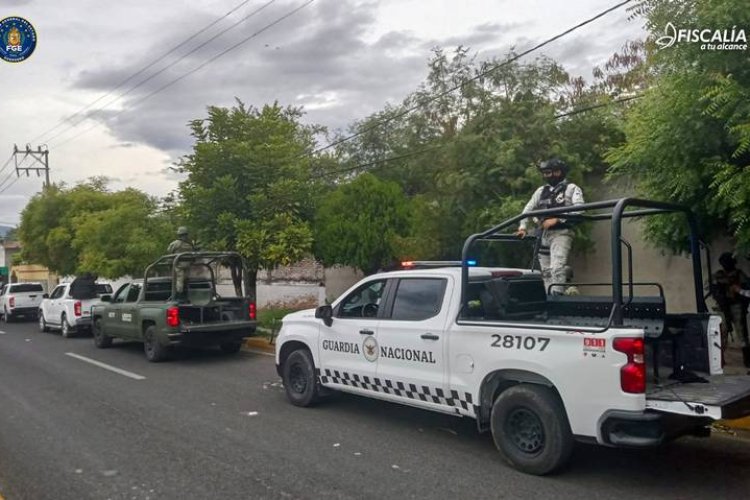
pixel 366 332
pixel 429 336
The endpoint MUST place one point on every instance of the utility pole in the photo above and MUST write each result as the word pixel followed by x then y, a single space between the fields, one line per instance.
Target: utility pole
pixel 39 155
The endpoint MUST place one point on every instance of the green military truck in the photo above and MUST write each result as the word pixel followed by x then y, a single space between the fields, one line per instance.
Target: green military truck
pixel 213 309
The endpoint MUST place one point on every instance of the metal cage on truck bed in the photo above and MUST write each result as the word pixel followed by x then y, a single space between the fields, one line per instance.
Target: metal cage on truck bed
pixel 615 211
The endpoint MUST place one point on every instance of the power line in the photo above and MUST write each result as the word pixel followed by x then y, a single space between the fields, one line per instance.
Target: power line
pixel 5 165
pixel 165 68
pixel 601 105
pixel 507 62
pixel 140 71
pixel 389 159
pixel 9 185
pixel 200 66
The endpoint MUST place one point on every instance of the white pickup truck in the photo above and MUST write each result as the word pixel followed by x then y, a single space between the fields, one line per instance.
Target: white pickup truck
pixel 68 307
pixel 538 370
pixel 20 299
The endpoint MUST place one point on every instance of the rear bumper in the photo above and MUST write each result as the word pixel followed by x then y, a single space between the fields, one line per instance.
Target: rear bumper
pixel 24 311
pixel 83 322
pixel 207 335
pixel 647 429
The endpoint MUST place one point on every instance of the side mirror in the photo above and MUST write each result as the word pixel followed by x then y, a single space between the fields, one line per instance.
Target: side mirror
pixel 325 313
pixel 45 295
pixel 106 298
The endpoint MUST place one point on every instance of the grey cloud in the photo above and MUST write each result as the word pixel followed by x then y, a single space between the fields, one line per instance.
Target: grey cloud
pixel 321 52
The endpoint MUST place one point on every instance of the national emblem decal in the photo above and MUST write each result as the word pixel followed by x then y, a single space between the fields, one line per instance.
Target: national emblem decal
pixel 370 349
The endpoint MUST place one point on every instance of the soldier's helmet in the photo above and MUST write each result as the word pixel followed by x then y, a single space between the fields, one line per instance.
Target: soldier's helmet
pixel 182 231
pixel 554 164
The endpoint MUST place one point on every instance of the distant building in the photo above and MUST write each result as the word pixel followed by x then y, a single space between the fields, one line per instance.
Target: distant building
pixel 7 250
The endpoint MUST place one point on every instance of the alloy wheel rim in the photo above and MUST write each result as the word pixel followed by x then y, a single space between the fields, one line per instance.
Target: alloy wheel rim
pixel 525 431
pixel 297 378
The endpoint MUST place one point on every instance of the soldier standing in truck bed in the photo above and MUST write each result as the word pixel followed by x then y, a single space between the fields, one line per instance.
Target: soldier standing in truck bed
pixel 180 245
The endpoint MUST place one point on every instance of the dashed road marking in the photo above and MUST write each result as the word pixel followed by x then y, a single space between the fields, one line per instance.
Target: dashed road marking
pixel 111 368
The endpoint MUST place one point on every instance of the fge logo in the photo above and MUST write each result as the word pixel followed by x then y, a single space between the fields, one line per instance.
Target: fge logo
pixel 17 39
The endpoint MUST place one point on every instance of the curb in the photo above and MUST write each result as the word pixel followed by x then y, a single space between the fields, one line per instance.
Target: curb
pixel 740 423
pixel 259 344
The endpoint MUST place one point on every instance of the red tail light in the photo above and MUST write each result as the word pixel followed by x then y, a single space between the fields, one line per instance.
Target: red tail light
pixel 12 301
pixel 173 317
pixel 251 312
pixel 77 308
pixel 633 374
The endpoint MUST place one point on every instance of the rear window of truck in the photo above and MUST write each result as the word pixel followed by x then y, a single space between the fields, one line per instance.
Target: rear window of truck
pixel 26 288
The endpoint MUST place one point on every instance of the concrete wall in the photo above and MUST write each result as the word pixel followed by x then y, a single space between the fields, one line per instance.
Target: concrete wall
pixel 338 279
pixel 292 295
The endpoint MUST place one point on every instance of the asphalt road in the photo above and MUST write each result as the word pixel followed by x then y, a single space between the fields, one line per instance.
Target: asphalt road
pixel 207 425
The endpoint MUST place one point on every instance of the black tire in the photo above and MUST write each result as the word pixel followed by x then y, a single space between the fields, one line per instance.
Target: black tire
pixel 155 352
pixel 231 347
pixel 101 340
pixel 7 317
pixel 300 382
pixel 531 430
pixel 65 329
pixel 42 323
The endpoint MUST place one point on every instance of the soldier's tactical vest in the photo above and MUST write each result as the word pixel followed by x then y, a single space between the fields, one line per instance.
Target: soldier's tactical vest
pixel 554 197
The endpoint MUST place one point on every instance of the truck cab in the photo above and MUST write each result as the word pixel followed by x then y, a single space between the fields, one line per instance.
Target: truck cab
pixel 610 365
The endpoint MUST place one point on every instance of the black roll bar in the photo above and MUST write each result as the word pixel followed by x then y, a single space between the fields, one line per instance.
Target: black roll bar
pixel 614 210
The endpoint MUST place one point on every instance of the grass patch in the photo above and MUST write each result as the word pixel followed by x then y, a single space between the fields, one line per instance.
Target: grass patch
pixel 271 318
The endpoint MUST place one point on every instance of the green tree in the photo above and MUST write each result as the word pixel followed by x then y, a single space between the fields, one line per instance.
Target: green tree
pixel 467 158
pixel 88 228
pixel 688 139
pixel 249 184
pixel 358 224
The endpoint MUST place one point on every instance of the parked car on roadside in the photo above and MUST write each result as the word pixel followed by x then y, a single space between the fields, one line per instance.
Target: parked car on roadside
pixel 20 300
pixel 68 307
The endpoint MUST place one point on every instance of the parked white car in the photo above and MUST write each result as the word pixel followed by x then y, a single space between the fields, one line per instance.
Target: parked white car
pixel 68 307
pixel 20 299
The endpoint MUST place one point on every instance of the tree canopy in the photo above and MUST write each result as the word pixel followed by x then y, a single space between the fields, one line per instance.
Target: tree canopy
pixel 87 228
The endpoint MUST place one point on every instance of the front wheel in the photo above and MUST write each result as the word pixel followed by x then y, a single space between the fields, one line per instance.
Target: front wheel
pixel 155 352
pixel 101 340
pixel 300 382
pixel 531 430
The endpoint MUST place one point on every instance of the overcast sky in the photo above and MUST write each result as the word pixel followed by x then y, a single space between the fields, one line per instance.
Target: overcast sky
pixel 339 59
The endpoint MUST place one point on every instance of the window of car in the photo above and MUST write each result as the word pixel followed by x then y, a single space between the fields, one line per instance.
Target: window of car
pixel 418 298
pixel 121 293
pixel 57 292
pixel 133 292
pixel 363 302
pixel 103 288
pixel 26 288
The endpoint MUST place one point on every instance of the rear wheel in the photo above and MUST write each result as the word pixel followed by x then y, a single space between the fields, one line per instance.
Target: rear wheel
pixel 531 430
pixel 155 352
pixel 7 317
pixel 42 324
pixel 101 340
pixel 65 329
pixel 300 382
pixel 231 347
